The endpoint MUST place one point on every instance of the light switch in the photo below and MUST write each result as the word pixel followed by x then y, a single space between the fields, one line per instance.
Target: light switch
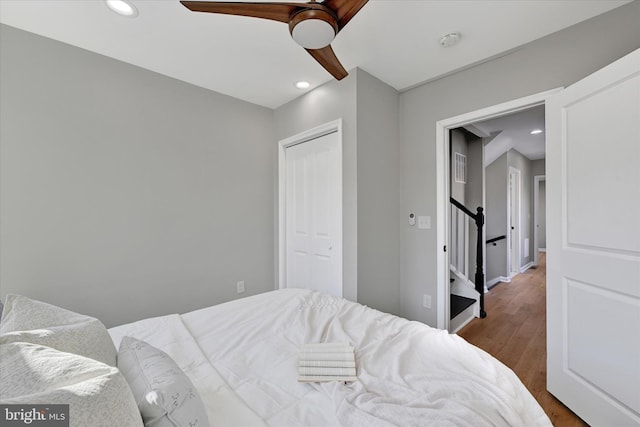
pixel 424 222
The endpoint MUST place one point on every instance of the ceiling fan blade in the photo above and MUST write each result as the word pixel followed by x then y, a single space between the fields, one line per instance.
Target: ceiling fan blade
pixel 344 9
pixel 328 59
pixel 275 11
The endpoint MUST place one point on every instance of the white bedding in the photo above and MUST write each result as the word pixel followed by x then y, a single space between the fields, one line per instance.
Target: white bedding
pixel 242 356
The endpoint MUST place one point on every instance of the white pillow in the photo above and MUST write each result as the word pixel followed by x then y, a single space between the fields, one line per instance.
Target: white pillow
pixel 97 394
pixel 27 320
pixel 163 392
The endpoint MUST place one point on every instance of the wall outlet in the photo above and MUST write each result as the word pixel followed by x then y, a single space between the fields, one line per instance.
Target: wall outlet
pixel 426 301
pixel 240 286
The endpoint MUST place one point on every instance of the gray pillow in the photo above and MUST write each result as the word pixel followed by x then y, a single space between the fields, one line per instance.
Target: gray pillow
pixel 163 392
pixel 97 394
pixel 27 320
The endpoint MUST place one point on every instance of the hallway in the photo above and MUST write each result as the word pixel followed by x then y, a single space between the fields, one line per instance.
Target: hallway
pixel 514 332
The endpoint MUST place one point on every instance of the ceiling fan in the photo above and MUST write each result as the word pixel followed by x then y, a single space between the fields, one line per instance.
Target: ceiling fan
pixel 312 25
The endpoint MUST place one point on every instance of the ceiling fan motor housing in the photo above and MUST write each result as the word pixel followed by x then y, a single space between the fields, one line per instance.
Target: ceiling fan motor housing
pixel 313 28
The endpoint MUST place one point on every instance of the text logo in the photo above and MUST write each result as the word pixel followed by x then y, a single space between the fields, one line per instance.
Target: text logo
pixel 34 415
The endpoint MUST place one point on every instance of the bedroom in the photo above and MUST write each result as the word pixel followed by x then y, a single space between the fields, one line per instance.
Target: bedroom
pixel 89 216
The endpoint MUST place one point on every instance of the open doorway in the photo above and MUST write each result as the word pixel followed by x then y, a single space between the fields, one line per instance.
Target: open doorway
pixel 502 156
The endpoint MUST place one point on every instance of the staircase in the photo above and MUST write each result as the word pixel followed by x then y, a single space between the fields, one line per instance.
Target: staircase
pixel 459 304
pixel 464 303
pixel 466 298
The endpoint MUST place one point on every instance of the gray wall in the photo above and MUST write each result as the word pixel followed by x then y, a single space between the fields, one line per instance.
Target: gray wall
pixel 556 60
pixel 458 145
pixel 542 212
pixel 496 175
pixel 126 194
pixel 538 167
pixel 475 193
pixel 369 112
pixel 457 190
pixel 469 194
pixel 176 203
pixel 516 160
pixel 327 103
pixel 378 172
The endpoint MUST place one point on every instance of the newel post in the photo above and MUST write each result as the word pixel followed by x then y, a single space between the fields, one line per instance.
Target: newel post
pixel 479 278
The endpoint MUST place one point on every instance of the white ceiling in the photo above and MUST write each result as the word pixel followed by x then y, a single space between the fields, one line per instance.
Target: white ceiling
pixel 256 60
pixel 514 131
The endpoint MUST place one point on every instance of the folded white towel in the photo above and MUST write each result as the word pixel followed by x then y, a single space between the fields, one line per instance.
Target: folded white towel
pixel 328 363
pixel 326 371
pixel 320 362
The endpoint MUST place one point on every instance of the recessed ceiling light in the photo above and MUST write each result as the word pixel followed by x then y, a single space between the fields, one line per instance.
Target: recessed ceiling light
pixel 122 7
pixel 303 85
pixel 535 131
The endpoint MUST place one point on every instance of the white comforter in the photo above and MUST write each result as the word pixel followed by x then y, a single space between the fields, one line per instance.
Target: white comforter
pixel 242 357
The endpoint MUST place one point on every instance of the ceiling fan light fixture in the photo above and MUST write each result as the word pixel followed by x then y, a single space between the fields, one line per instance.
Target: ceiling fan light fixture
pixel 122 7
pixel 313 28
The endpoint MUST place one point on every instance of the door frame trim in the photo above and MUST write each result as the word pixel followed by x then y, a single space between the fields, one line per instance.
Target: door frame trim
pixel 442 187
pixel 308 135
pixel 511 269
pixel 537 179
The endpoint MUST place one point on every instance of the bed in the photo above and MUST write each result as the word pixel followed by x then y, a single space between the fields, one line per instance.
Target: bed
pixel 241 357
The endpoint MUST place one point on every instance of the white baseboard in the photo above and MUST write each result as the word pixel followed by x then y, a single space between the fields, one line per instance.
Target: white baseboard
pixel 465 323
pixel 497 280
pixel 542 249
pixel 462 319
pixel 526 267
pixel 493 282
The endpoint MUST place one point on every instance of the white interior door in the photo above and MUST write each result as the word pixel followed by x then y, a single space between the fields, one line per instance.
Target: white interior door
pixel 593 245
pixel 514 221
pixel 314 215
pixel 539 216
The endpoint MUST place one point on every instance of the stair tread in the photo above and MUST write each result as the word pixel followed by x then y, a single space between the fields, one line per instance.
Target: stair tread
pixel 458 304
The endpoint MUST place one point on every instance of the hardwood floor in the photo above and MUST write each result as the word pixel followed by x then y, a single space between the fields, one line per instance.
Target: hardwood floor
pixel 514 332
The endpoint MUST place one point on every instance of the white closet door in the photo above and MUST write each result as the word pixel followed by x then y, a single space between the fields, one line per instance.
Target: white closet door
pixel 314 215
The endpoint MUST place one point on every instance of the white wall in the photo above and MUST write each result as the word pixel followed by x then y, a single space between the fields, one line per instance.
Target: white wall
pixel 556 60
pixel 126 194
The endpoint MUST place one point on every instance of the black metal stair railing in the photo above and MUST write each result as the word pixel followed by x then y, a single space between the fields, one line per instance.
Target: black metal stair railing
pixel 478 218
pixel 495 239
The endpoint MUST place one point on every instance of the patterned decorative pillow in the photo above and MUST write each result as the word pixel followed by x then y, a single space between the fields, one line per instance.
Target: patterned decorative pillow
pixel 97 394
pixel 27 320
pixel 163 392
